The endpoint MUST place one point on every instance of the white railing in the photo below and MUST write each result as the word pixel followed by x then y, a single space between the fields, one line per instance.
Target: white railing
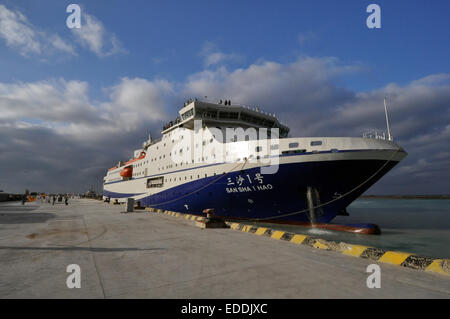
pixel 379 135
pixel 216 101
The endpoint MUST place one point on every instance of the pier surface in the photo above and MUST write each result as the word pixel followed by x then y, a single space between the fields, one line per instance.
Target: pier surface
pixel 150 255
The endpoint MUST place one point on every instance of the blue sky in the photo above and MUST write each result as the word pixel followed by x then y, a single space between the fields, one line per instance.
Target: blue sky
pixel 164 38
pixel 133 62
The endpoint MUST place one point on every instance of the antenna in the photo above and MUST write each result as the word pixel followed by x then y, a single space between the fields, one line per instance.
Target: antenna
pixel 387 120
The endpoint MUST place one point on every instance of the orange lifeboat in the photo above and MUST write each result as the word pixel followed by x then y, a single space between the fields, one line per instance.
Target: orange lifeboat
pixel 127 172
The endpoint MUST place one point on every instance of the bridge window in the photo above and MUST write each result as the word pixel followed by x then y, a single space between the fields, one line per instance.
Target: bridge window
pixel 316 143
pixel 292 145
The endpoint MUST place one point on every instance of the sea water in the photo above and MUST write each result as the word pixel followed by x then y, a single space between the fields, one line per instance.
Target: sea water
pixel 418 226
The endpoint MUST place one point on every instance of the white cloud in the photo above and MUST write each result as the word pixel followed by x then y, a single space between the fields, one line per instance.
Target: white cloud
pixel 65 107
pixel 20 34
pixel 53 102
pixel 93 36
pixel 212 56
pixel 65 133
pixel 306 82
pixel 61 45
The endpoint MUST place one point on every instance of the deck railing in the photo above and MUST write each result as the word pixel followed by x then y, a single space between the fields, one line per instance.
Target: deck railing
pixel 379 135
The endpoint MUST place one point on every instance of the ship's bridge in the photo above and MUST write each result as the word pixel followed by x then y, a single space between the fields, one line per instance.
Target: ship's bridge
pixel 224 115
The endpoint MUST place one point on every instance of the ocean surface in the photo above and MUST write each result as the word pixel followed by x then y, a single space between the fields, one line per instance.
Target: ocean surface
pixel 419 226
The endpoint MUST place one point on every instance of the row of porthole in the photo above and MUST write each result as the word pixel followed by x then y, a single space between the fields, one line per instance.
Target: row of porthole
pixel 313 143
pixel 258 149
pixel 169 180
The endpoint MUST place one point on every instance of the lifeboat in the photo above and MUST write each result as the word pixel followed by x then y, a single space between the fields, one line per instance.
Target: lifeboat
pixel 127 172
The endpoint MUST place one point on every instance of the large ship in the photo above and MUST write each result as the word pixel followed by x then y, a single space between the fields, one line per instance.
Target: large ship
pixel 241 162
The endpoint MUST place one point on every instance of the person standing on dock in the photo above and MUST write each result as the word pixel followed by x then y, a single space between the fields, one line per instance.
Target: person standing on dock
pixel 54 199
pixel 66 200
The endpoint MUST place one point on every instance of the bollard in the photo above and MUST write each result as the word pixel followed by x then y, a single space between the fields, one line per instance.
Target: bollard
pixel 211 221
pixel 209 212
pixel 130 205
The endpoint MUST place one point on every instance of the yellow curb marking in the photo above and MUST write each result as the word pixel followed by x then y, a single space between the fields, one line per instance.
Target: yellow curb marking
pixel 298 239
pixel 319 245
pixel 395 258
pixel 234 226
pixel 355 250
pixel 277 234
pixel 260 231
pixel 435 266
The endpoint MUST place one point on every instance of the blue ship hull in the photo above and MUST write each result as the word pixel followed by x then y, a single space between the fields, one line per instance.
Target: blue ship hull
pixel 280 197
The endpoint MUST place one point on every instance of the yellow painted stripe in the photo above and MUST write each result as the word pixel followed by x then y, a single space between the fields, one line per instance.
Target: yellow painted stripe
pixel 277 234
pixel 435 266
pixel 393 257
pixel 246 228
pixel 319 245
pixel 193 217
pixel 234 226
pixel 355 250
pixel 260 231
pixel 298 239
pixel 187 216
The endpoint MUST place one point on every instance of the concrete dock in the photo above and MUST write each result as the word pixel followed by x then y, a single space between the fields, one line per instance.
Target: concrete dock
pixel 150 255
